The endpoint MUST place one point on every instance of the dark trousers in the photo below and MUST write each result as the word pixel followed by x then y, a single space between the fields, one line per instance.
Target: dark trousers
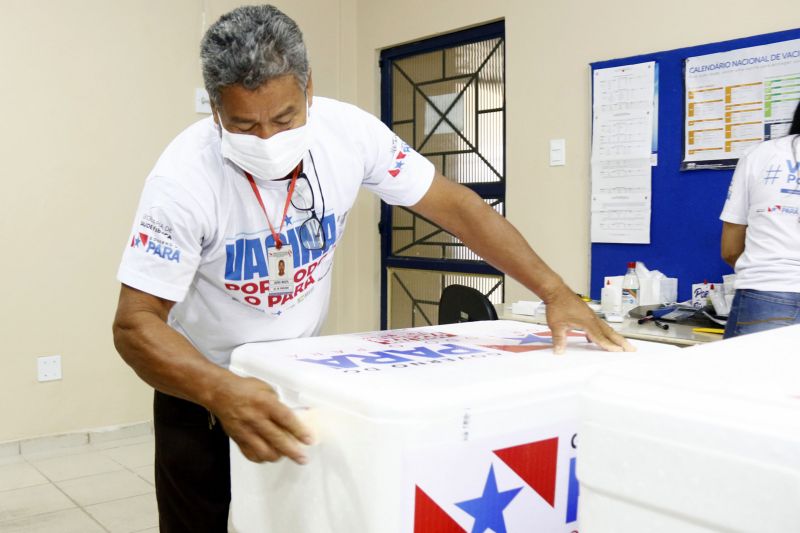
pixel 193 480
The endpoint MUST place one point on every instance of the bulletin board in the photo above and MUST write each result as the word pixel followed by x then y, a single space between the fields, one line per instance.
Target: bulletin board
pixel 685 228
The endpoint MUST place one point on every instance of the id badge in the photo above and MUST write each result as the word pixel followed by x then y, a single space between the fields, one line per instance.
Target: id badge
pixel 281 270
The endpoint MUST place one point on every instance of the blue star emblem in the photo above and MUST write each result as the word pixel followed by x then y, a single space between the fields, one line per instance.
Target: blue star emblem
pixel 288 220
pixel 398 164
pixel 278 313
pixel 488 509
pixel 530 338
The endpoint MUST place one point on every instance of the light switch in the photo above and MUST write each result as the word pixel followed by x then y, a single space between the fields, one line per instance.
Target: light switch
pixel 202 103
pixel 558 152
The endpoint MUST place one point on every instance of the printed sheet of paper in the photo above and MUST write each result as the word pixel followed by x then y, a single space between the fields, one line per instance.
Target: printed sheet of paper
pixel 737 99
pixel 621 195
pixel 622 140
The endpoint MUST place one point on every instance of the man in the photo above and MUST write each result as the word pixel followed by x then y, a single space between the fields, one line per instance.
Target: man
pixel 271 177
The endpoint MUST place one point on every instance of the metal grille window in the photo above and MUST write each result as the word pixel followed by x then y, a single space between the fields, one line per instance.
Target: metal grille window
pixel 446 98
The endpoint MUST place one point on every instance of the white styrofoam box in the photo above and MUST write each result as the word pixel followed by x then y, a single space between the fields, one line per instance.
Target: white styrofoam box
pixel 460 427
pixel 668 290
pixel 649 291
pixel 705 440
pixel 652 291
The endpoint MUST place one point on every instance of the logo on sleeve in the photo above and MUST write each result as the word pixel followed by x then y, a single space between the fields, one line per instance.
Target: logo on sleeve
pixel 154 236
pixel 400 151
pixel 155 246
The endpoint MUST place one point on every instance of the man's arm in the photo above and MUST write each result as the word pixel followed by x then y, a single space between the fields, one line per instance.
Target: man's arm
pixel 732 242
pixel 248 408
pixel 464 214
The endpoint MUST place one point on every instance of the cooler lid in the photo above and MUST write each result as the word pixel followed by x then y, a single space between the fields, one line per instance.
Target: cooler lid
pixel 749 382
pixel 710 436
pixel 422 371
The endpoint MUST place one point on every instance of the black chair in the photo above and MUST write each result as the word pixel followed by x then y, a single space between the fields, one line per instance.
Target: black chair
pixel 464 304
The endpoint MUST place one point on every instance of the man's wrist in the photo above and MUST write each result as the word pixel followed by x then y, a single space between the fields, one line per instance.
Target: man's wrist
pixel 554 290
pixel 218 389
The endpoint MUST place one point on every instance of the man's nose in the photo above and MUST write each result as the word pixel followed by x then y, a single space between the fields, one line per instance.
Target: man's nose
pixel 265 132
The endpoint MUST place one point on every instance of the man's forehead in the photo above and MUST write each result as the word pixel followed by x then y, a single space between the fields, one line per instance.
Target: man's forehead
pixel 275 97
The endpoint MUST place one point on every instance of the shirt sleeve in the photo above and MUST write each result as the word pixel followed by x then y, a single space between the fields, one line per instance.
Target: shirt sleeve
pixel 163 251
pixel 737 204
pixel 393 171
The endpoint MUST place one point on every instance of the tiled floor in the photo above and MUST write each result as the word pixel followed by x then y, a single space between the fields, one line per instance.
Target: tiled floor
pixel 103 487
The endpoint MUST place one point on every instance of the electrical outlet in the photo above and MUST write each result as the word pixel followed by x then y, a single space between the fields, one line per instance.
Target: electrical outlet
pixel 48 368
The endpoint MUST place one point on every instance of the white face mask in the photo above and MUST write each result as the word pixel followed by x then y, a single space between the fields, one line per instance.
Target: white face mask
pixel 267 159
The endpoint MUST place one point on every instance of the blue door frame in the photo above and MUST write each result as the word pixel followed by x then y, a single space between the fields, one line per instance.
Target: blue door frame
pixel 485 190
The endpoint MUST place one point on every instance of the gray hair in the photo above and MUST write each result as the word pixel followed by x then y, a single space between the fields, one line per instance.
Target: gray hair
pixel 250 46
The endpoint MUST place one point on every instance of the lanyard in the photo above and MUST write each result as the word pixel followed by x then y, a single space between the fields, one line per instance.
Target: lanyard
pixel 275 235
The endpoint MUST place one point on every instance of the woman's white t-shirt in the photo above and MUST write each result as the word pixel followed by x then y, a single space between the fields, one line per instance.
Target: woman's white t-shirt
pixel 765 196
pixel 201 239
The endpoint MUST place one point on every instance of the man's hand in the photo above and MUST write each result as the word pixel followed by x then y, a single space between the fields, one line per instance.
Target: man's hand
pixel 263 427
pixel 566 311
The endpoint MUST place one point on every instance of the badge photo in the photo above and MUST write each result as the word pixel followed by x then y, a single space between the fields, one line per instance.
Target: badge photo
pixel 281 270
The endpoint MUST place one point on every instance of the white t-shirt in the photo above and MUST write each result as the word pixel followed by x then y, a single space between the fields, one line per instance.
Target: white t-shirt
pixel 765 196
pixel 201 239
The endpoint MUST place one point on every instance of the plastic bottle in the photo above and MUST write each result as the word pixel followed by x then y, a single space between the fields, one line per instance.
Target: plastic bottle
pixel 630 289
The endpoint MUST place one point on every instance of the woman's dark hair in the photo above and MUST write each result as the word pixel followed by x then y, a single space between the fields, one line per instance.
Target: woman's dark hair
pixel 795 129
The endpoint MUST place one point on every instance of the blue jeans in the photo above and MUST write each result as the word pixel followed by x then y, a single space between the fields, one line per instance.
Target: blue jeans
pixel 753 311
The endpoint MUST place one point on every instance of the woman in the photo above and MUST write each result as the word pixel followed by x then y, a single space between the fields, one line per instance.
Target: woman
pixel 761 235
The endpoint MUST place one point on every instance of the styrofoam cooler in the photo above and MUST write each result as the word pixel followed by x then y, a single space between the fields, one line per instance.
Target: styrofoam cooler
pixel 464 427
pixel 706 440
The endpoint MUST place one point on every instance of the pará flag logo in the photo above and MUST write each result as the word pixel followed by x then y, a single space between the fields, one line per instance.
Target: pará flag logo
pixel 523 488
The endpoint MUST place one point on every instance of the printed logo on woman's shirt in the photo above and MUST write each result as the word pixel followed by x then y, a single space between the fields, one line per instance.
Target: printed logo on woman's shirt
pixel 780 210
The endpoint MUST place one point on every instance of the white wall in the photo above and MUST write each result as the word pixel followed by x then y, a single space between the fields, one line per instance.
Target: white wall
pixel 94 89
pixel 92 92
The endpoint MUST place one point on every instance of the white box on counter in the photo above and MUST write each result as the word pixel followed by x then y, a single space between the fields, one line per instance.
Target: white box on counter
pixel 707 439
pixel 652 290
pixel 460 427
